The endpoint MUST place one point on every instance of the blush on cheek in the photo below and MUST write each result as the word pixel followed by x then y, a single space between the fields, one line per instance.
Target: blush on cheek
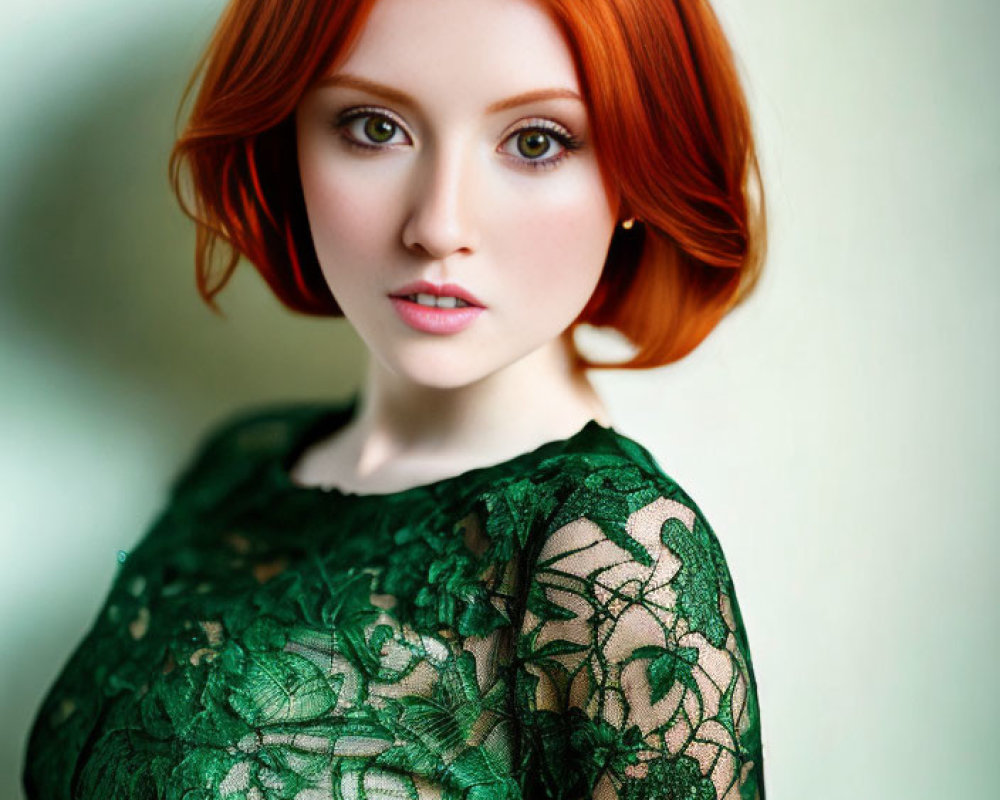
pixel 568 235
pixel 576 215
pixel 346 220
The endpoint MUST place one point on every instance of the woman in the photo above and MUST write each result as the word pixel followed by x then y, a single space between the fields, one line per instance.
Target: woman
pixel 463 582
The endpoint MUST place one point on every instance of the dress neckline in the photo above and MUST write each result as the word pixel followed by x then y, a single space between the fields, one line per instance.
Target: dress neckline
pixel 330 418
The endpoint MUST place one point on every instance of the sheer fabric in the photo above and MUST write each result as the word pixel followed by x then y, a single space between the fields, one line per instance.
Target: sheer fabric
pixel 560 625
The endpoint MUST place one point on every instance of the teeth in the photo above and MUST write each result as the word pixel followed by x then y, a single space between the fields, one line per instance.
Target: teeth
pixel 433 301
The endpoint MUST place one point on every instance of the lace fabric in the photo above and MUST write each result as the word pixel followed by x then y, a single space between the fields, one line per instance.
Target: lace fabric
pixel 561 625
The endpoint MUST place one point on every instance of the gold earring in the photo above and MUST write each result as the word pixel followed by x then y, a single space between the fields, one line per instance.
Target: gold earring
pixel 627 224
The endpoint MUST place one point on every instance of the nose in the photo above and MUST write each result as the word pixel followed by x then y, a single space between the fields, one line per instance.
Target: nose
pixel 440 221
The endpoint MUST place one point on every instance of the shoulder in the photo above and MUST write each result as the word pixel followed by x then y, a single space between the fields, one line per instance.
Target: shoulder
pixel 625 526
pixel 241 441
pixel 609 473
pixel 614 494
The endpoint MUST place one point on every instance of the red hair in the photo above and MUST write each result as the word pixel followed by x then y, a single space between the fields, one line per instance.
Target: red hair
pixel 670 126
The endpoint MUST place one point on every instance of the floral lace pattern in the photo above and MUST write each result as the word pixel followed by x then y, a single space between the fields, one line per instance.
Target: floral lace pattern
pixel 561 625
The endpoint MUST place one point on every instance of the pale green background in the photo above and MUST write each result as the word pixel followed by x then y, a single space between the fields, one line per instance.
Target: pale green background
pixel 839 431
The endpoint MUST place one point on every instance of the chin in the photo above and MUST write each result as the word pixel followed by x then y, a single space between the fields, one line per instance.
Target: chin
pixel 440 371
pixel 455 380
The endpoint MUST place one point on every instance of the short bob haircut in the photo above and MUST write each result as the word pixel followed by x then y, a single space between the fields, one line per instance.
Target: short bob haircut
pixel 670 126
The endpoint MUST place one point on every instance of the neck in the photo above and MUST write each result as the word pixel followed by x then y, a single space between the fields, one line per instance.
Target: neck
pixel 542 397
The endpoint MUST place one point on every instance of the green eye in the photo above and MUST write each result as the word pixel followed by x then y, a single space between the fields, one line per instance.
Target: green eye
pixel 532 143
pixel 379 129
pixel 369 129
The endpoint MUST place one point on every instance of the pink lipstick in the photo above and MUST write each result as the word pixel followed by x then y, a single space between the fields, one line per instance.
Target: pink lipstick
pixel 418 306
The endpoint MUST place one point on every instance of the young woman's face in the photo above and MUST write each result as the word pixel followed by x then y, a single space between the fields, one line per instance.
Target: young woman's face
pixel 452 147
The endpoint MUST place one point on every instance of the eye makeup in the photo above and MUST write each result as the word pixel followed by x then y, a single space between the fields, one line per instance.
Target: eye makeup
pixel 551 130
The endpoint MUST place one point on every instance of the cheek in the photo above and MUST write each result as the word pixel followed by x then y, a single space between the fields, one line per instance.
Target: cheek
pixel 558 237
pixel 349 214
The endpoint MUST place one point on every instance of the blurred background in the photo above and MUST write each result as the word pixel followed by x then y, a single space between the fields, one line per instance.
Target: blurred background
pixel 839 430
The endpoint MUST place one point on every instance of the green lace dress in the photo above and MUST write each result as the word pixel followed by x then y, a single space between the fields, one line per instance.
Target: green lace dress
pixel 559 625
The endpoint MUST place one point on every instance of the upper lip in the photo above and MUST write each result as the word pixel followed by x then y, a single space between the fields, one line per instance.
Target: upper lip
pixel 438 290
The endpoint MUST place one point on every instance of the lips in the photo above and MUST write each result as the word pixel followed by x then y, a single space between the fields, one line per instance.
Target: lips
pixel 435 320
pixel 438 290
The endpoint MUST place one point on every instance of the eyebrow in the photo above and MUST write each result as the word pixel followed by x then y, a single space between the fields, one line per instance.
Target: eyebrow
pixel 397 96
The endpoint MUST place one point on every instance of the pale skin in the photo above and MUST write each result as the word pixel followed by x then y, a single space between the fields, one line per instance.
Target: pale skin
pixel 447 194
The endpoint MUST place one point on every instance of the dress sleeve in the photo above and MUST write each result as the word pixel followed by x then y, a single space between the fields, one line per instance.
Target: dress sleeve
pixel 634 677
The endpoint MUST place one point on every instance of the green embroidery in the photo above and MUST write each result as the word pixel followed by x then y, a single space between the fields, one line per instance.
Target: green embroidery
pixel 555 625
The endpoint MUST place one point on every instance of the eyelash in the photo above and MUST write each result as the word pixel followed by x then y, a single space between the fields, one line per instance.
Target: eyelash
pixel 569 142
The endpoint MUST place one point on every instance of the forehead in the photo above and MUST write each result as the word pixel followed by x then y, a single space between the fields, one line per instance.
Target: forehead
pixel 453 51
